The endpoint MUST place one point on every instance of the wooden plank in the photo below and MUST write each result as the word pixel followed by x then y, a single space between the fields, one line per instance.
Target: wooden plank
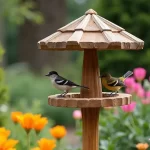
pixel 82 25
pixel 61 103
pixel 73 101
pixel 93 40
pixel 131 37
pixel 114 41
pixel 133 45
pixel 121 37
pixel 55 45
pixel 100 24
pixel 126 43
pixel 136 44
pixel 91 26
pixel 62 37
pixel 45 40
pixel 75 38
pixel 108 36
pixel 78 47
pixel 109 23
pixel 71 26
pixel 129 45
pixel 59 41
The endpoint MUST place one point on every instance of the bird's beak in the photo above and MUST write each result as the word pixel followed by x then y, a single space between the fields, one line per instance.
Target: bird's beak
pixel 47 75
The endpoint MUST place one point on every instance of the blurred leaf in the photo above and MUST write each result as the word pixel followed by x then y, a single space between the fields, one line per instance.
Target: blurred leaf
pixel 146 84
pixel 17 11
pixel 1 51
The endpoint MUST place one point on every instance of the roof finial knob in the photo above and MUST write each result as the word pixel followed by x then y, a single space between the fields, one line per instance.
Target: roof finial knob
pixel 91 11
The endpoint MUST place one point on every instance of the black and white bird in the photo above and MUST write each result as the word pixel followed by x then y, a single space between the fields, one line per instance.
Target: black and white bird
pixel 61 83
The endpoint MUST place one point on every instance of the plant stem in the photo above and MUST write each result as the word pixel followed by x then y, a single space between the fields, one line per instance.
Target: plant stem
pixel 132 120
pixel 28 141
pixel 58 144
pixel 36 134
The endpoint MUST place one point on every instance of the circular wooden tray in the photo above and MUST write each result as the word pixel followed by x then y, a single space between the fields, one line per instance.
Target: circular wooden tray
pixel 74 100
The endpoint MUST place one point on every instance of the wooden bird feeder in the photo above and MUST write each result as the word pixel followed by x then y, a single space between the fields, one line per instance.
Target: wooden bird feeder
pixel 90 33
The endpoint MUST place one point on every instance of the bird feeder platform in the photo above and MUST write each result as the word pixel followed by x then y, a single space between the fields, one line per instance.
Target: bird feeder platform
pixel 90 33
pixel 76 101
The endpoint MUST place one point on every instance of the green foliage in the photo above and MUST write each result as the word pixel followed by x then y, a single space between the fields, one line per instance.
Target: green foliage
pixel 17 11
pixel 124 130
pixel 121 130
pixel 3 92
pixel 76 8
pixel 14 13
pixel 134 17
pixel 29 92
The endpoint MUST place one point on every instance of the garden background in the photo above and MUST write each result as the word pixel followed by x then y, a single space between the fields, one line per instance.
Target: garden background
pixel 24 87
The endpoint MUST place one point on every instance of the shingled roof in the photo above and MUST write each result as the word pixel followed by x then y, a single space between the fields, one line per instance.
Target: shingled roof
pixel 90 31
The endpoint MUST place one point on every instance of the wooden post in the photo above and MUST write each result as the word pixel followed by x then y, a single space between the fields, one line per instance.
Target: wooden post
pixel 90 116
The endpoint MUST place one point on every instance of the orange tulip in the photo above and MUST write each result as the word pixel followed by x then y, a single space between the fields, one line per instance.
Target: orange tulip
pixel 46 144
pixel 15 115
pixel 39 123
pixel 142 146
pixel 58 132
pixel 4 133
pixel 27 121
pixel 7 144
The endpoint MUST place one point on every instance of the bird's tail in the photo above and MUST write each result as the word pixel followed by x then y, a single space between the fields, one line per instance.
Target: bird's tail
pixel 127 74
pixel 83 87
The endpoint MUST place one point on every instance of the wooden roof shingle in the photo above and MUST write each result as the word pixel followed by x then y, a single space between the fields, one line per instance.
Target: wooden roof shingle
pixel 90 32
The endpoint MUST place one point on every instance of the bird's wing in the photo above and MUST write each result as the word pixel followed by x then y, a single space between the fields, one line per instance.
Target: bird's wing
pixel 62 81
pixel 115 82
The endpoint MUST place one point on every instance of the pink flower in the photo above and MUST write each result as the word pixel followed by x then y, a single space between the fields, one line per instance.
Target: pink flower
pixel 145 101
pixel 77 114
pixel 136 87
pixel 139 73
pixel 148 94
pixel 129 82
pixel 128 90
pixel 129 108
pixel 141 93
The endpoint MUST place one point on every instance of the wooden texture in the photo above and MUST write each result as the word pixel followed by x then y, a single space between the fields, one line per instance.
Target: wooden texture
pixel 91 11
pixel 100 24
pixel 90 116
pixel 74 100
pixel 90 33
pixel 83 23
pixel 71 25
pixel 90 75
pixel 79 30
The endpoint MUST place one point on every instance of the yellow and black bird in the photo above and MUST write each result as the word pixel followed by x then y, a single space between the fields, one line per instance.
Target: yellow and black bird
pixel 114 84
